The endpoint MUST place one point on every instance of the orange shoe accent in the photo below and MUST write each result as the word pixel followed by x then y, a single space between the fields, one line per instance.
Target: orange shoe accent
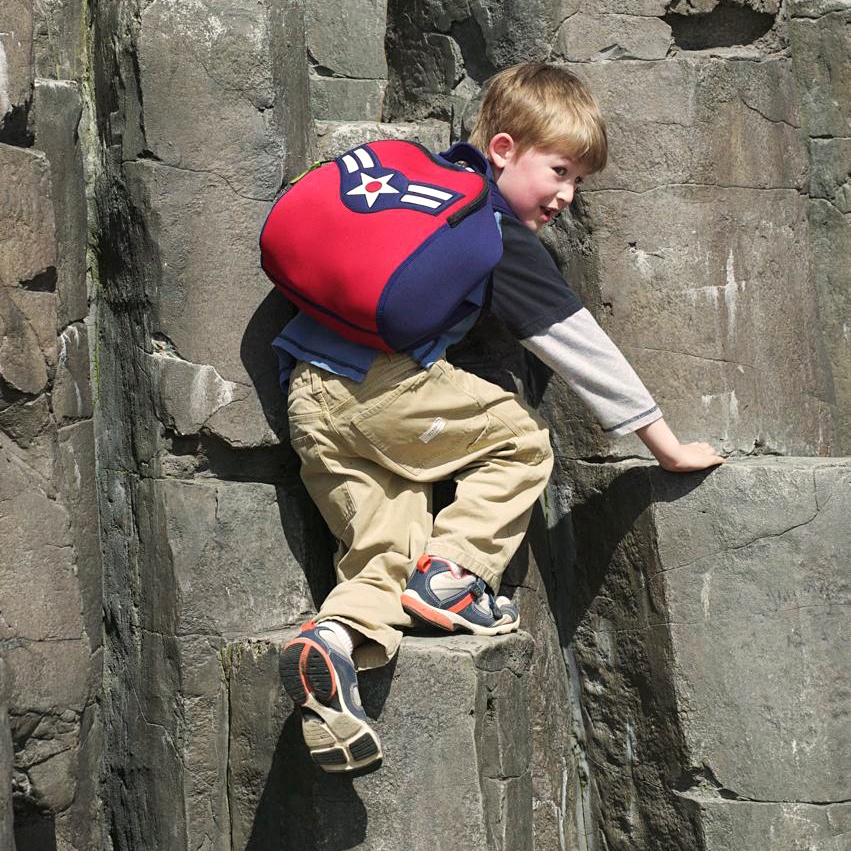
pixel 428 614
pixel 307 646
pixel 308 625
pixel 423 563
pixel 462 603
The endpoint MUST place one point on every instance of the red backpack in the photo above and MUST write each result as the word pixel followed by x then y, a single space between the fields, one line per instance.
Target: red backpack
pixel 385 243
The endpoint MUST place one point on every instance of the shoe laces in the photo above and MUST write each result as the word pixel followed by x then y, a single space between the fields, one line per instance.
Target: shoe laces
pixel 479 589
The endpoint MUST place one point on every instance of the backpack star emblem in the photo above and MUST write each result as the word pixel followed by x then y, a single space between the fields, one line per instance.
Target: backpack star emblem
pixel 371 187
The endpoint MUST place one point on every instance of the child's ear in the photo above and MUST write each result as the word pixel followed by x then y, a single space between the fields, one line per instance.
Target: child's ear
pixel 500 149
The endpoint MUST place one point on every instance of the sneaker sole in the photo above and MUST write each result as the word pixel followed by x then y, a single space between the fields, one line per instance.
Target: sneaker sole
pixel 448 621
pixel 338 740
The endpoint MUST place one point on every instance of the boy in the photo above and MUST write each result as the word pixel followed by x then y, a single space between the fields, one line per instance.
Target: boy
pixel 375 430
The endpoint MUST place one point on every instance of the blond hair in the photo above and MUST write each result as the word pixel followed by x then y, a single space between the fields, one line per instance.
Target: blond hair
pixel 543 106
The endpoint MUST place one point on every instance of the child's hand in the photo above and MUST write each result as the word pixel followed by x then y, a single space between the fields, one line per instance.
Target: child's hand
pixel 673 455
pixel 689 457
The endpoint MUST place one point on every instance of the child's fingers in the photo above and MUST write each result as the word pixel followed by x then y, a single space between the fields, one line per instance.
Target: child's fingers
pixel 706 455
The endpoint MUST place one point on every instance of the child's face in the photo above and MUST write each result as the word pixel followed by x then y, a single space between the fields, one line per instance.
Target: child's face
pixel 538 183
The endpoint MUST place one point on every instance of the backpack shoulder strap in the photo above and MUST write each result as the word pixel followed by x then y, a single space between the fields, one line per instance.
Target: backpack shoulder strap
pixel 464 153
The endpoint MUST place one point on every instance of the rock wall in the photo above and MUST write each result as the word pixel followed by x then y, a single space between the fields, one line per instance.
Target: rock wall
pixel 50 564
pixel 680 682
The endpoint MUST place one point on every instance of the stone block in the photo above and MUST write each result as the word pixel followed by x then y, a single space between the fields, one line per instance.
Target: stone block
pixel 27 339
pixel 211 286
pixel 52 676
pixel 754 566
pixel 830 260
pixel 714 604
pixel 830 163
pixel 38 584
pixel 664 117
pixel 16 48
pixel 701 287
pixel 204 104
pixel 55 120
pixel 203 737
pixel 820 44
pixel 707 250
pixel 346 37
pixel 26 218
pixel 189 394
pixel 7 758
pixel 59 45
pixel 336 137
pixel 340 99
pixel 26 419
pixel 596 36
pixel 470 753
pixel 75 481
pixel 72 386
pixel 227 565
pixel 788 825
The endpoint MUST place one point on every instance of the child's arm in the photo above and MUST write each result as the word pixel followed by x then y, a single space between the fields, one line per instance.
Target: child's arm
pixel 673 455
pixel 531 297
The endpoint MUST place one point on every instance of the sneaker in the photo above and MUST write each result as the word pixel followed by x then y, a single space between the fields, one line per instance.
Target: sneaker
pixel 319 676
pixel 445 595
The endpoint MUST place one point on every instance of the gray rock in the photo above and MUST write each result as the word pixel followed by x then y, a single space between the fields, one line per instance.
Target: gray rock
pixel 205 103
pixel 829 179
pixel 830 252
pixel 456 752
pixel 664 118
pixel 346 38
pixel 231 567
pixel 743 587
pixel 75 480
pixel 26 353
pixel 597 36
pixel 41 597
pixel 7 834
pixel 59 39
pixel 730 263
pixel 212 286
pixel 820 50
pixel 336 137
pixel 746 824
pixel 203 741
pixel 16 49
pixel 26 217
pixel 340 99
pixel 55 119
pixel 770 557
pixel 820 44
pixel 72 387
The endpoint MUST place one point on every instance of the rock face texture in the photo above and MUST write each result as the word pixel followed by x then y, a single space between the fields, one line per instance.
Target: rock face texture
pixel 681 681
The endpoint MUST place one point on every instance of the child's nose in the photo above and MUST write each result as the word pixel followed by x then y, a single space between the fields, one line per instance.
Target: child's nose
pixel 565 196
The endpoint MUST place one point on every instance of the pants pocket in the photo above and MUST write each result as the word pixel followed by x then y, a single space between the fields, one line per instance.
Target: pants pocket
pixel 426 422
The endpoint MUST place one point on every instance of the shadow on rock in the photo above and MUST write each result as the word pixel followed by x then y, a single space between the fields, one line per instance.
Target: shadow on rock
pixel 260 361
pixel 607 520
pixel 308 538
pixel 303 808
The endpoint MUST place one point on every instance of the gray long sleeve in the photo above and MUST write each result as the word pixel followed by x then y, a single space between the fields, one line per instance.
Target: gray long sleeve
pixel 580 352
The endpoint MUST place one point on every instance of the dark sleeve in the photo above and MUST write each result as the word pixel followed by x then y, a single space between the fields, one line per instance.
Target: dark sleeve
pixel 528 292
pixel 532 299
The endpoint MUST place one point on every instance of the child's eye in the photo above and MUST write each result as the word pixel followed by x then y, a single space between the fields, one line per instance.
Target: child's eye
pixel 560 170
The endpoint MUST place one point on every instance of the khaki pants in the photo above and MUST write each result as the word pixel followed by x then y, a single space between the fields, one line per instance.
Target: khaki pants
pixel 370 452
